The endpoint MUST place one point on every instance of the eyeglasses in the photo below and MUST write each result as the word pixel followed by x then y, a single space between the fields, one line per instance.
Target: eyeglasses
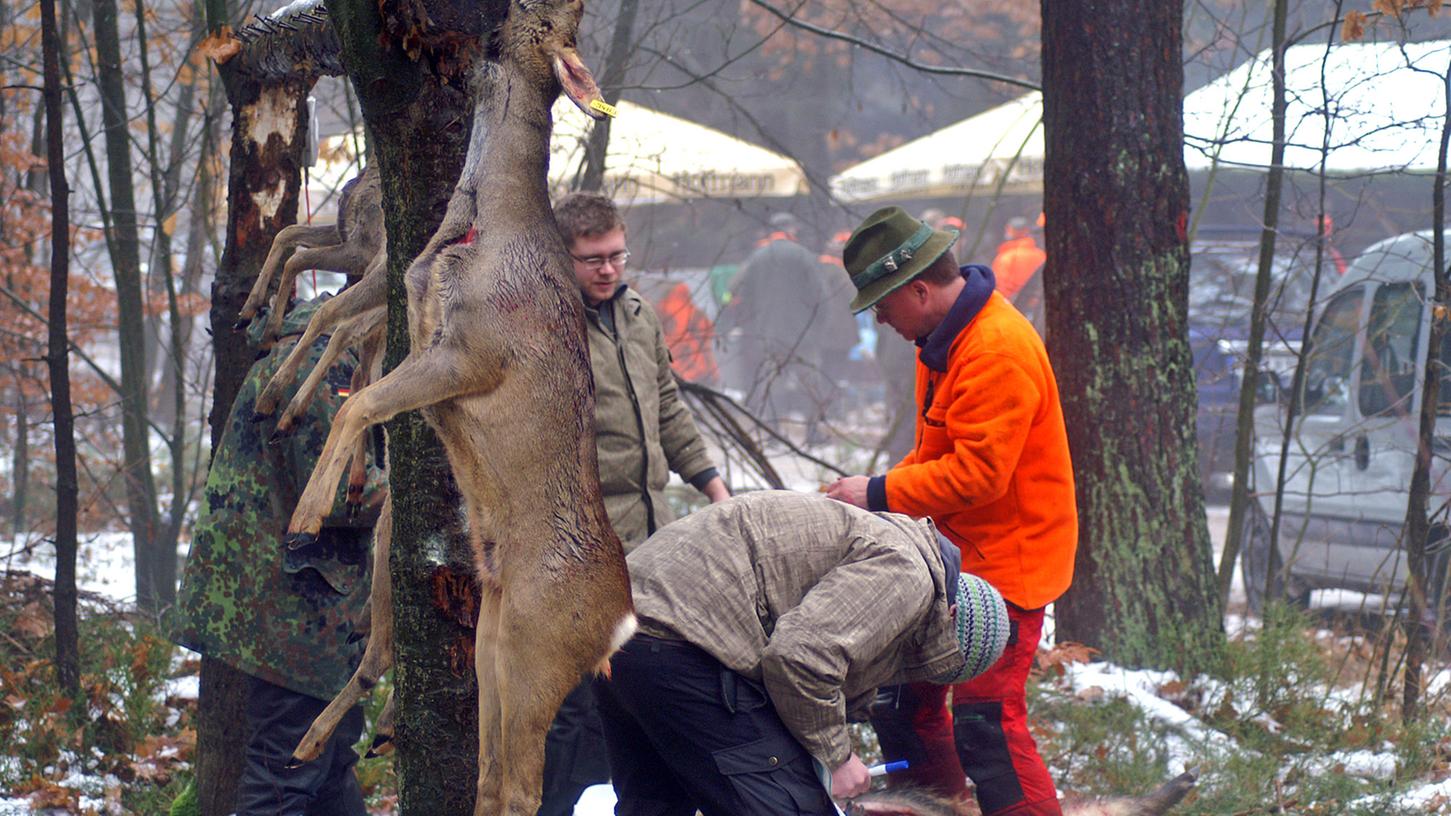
pixel 596 262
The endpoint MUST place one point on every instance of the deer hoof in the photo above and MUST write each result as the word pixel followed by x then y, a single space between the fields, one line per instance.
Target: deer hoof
pixel 296 541
pixel 382 745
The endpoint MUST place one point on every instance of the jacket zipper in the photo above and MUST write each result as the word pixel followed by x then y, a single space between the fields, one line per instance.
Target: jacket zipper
pixel 639 424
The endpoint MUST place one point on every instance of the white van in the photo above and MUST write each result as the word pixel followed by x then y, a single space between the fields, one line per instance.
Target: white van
pixel 1348 466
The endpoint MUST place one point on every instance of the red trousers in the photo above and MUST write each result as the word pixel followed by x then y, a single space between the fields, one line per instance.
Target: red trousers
pixel 988 728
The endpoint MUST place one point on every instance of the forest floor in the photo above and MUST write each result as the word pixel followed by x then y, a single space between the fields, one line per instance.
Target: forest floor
pixel 1303 719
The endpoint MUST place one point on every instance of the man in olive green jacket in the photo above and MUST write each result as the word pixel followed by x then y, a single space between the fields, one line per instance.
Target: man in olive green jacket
pixel 643 431
pixel 766 622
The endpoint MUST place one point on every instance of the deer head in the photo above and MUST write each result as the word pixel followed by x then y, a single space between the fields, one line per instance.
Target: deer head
pixel 539 39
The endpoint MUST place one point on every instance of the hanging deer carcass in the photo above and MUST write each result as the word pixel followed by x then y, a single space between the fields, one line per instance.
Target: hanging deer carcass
pixel 499 367
pixel 348 245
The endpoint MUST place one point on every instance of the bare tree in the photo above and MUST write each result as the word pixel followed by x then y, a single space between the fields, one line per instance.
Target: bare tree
pixel 155 570
pixel 67 642
pixel 263 188
pixel 1418 522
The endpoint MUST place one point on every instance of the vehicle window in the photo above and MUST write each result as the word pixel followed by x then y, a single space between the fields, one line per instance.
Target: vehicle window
pixel 1222 282
pixel 1331 354
pixel 1443 408
pixel 1390 364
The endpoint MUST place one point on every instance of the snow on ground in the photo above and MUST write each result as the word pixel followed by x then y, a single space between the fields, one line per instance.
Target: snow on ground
pixel 104 567
pixel 103 563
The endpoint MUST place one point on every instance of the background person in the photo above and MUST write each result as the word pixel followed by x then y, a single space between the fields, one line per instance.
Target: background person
pixel 775 329
pixel 288 618
pixel 991 467
pixel 689 335
pixel 643 431
pixel 1018 259
pixel 765 622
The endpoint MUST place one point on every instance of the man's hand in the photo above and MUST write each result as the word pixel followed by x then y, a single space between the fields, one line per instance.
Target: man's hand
pixel 852 490
pixel 850 779
pixel 716 490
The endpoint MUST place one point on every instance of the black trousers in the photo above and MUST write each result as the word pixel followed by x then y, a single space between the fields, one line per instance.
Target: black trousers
pixel 276 720
pixel 684 732
pixel 574 753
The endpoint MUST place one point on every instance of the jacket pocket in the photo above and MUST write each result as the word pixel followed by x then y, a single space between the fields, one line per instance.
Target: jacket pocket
pixel 340 557
pixel 773 775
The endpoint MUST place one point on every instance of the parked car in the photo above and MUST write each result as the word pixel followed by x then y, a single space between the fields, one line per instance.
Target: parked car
pixel 1353 444
pixel 1223 266
pixel 1224 262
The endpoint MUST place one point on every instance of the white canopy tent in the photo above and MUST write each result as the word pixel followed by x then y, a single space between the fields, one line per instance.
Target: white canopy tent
pixel 1387 101
pixel 1386 104
pixel 972 154
pixel 653 157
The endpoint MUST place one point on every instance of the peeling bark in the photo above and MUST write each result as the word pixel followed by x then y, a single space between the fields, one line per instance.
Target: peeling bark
pixel 270 169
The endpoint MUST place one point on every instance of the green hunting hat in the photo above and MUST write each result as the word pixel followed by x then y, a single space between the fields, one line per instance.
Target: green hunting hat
pixel 889 249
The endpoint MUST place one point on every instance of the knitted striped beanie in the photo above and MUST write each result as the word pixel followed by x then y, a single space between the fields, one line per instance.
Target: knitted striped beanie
pixel 982 627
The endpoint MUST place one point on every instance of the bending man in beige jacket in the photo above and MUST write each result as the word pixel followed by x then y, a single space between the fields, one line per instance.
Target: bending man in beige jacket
pixel 765 622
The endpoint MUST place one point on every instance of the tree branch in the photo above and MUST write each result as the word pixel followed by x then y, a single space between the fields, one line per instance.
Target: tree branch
pixel 75 349
pixel 829 34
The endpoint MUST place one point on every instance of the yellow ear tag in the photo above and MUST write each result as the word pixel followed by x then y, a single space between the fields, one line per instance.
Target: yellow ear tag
pixel 602 106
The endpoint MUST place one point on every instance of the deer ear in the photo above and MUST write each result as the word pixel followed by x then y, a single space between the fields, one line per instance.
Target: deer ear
pixel 577 81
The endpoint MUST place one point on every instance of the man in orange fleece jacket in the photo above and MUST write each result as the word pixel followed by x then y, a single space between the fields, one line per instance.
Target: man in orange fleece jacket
pixel 991 467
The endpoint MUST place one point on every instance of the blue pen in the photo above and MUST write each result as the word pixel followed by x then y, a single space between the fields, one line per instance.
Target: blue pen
pixel 887 767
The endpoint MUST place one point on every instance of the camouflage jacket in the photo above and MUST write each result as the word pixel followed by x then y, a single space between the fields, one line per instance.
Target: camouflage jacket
pixel 286 617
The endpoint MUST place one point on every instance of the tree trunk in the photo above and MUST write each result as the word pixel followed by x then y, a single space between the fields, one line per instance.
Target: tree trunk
pixel 1116 199
pixel 165 175
pixel 269 136
pixel 418 123
pixel 1249 382
pixel 612 79
pixel 1418 521
pixel 67 642
pixel 153 589
pixel 20 461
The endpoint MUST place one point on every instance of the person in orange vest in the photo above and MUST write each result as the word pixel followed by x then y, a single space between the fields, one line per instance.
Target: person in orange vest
pixel 689 335
pixel 1327 236
pixel 1018 258
pixel 991 468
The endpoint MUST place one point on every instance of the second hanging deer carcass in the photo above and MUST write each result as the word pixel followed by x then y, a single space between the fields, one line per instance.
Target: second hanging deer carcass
pixel 499 367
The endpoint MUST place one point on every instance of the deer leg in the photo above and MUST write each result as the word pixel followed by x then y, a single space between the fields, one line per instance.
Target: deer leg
pixel 288 239
pixel 358 473
pixel 338 258
pixel 532 682
pixel 363 296
pixel 486 641
pixel 383 732
pixel 433 376
pixel 377 657
pixel 344 337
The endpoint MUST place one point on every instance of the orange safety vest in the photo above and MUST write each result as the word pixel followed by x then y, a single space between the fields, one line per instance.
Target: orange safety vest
pixel 689 335
pixel 991 464
pixel 1015 263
